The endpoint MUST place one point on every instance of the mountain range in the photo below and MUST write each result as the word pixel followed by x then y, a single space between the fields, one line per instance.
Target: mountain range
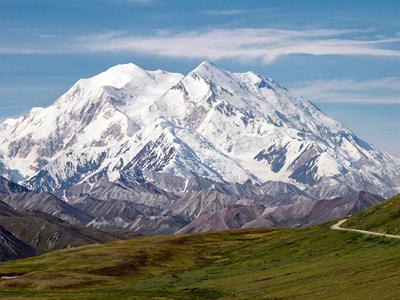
pixel 209 123
pixel 154 152
pixel 124 215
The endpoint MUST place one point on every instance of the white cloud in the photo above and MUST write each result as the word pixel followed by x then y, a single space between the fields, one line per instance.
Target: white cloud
pixel 263 44
pixel 47 36
pixel 379 91
pixel 246 43
pixel 224 12
pixel 22 50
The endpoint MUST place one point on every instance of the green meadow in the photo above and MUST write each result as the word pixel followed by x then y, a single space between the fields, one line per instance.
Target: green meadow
pixel 384 218
pixel 309 263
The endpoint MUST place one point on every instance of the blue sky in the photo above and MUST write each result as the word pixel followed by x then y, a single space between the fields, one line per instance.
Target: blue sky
pixel 342 55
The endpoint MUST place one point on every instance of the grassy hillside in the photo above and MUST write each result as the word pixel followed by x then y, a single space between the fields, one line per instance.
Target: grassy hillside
pixel 383 218
pixel 311 263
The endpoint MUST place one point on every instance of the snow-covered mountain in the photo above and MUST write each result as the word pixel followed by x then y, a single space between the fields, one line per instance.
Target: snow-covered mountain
pixel 211 123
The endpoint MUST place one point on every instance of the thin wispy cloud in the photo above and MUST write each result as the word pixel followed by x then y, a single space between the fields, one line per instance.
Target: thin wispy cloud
pixel 47 36
pixel 22 50
pixel 265 45
pixel 374 91
pixel 224 12
pixel 245 43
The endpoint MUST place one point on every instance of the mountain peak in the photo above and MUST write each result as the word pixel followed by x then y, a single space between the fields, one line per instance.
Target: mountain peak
pixel 125 68
pixel 119 75
pixel 206 67
pixel 208 64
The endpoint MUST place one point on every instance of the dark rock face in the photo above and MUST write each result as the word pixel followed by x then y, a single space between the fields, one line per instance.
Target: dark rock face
pixel 7 186
pixel 275 156
pixel 13 248
pixel 304 168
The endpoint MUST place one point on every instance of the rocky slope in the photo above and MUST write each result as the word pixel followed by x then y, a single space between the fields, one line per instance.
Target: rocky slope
pixel 114 214
pixel 299 213
pixel 7 187
pixel 47 203
pixel 13 248
pixel 223 219
pixel 35 217
pixel 44 232
pixel 33 228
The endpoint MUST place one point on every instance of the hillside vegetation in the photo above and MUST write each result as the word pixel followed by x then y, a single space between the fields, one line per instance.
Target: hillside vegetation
pixel 311 263
pixel 384 218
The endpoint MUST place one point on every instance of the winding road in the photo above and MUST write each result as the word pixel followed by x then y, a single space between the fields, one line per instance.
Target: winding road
pixel 337 227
